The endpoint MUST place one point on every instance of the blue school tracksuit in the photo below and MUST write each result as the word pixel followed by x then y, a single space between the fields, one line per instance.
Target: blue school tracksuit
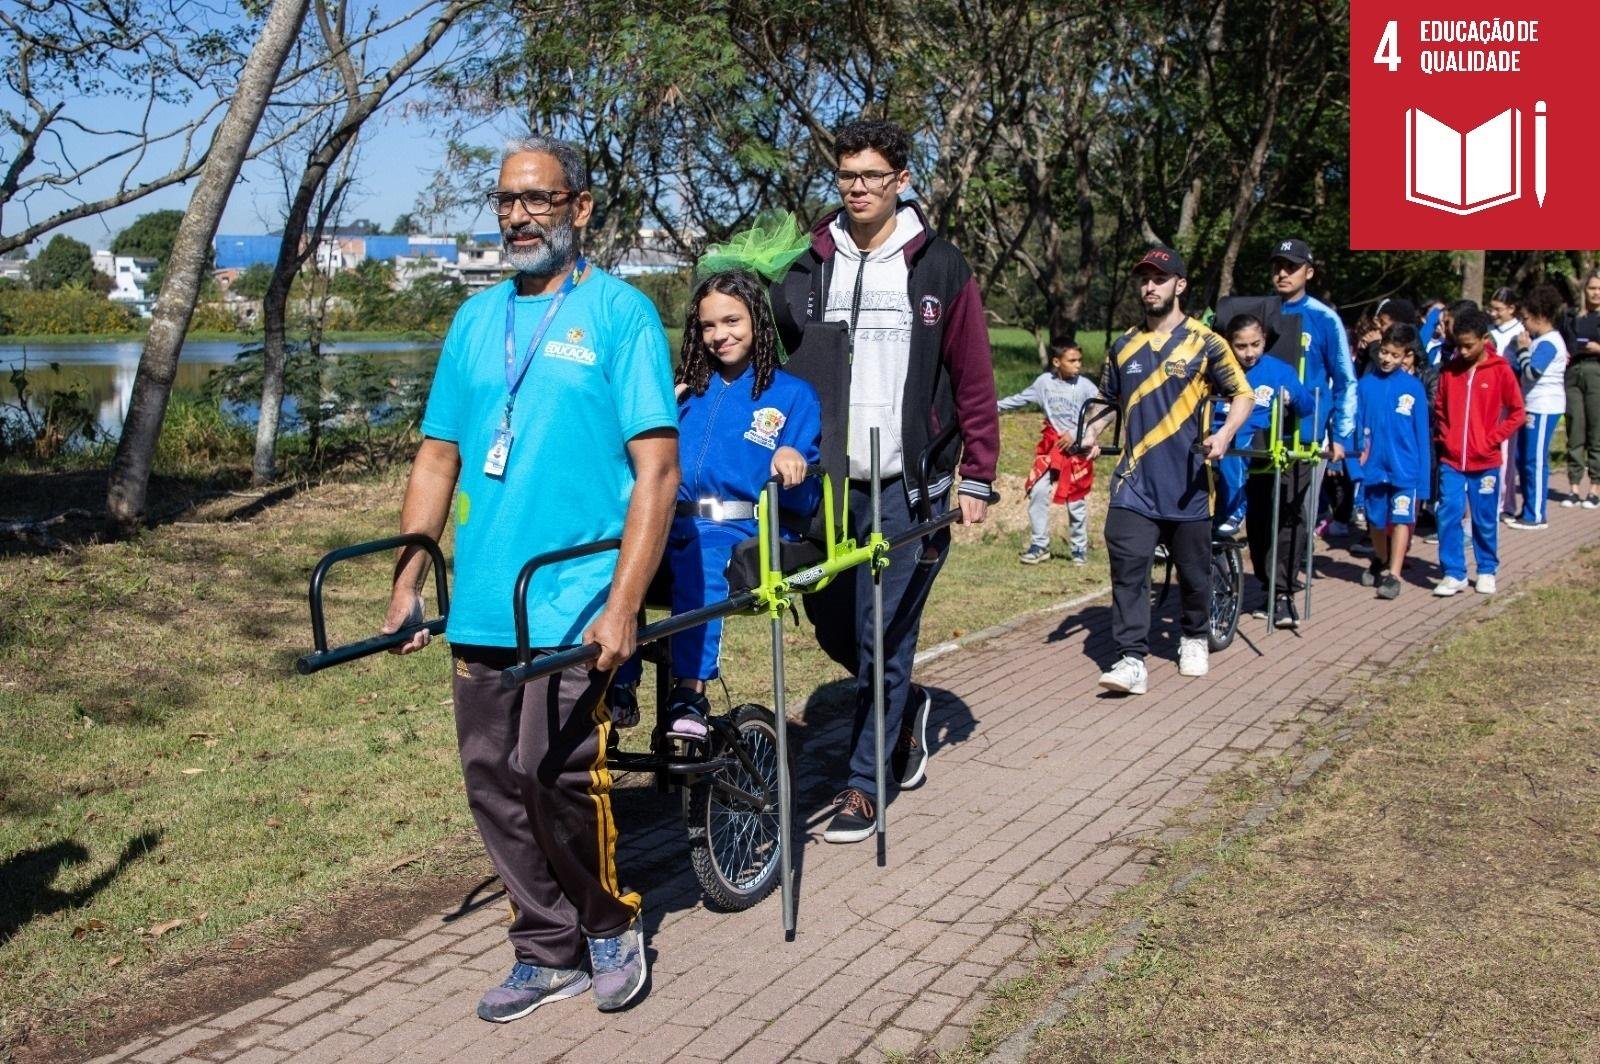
pixel 726 440
pixel 1541 370
pixel 1267 378
pixel 1394 442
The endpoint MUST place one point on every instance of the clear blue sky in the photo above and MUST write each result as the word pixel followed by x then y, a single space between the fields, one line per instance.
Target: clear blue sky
pixel 397 159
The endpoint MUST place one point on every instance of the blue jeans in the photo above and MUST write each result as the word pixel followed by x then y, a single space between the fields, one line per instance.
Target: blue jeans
pixel 1533 465
pixel 1477 493
pixel 842 617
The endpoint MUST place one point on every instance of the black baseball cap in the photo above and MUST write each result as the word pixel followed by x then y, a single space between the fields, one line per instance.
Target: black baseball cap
pixel 1294 250
pixel 1164 259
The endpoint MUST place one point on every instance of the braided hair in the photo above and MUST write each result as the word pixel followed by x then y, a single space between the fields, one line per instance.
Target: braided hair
pixel 696 363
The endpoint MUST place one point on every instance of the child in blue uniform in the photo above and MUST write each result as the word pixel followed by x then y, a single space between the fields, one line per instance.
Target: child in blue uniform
pixel 1395 450
pixel 741 421
pixel 1273 381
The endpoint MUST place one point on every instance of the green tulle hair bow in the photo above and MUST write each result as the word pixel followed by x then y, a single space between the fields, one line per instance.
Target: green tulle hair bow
pixel 767 249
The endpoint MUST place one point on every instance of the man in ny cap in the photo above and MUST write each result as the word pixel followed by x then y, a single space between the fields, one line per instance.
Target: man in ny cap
pixel 1159 375
pixel 1326 367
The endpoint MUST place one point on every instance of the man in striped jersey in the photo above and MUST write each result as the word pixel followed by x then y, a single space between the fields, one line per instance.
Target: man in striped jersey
pixel 1161 490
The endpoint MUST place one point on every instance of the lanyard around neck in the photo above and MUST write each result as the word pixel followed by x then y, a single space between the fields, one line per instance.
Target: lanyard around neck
pixel 516 371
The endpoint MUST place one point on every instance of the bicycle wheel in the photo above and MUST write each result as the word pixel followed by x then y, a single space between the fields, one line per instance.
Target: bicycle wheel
pixel 1227 589
pixel 733 846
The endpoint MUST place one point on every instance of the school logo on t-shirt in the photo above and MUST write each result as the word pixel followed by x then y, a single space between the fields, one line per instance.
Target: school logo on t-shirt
pixel 1486 485
pixel 1264 395
pixel 1401 506
pixel 765 425
pixel 569 352
pixel 1403 407
pixel 932 310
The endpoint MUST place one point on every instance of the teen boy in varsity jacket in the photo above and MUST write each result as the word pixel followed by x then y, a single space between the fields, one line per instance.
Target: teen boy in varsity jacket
pixel 920 362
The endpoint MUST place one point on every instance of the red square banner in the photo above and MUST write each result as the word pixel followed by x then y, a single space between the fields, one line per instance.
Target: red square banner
pixel 1471 125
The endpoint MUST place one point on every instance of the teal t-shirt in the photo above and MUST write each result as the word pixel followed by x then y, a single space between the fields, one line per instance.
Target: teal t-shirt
pixel 602 375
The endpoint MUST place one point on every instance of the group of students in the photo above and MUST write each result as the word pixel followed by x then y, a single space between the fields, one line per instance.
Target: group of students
pixel 1454 419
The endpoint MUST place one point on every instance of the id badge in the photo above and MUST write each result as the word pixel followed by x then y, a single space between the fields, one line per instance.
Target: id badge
pixel 495 464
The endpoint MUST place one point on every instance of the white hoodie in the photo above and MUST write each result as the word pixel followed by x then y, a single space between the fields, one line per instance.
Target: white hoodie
pixel 881 348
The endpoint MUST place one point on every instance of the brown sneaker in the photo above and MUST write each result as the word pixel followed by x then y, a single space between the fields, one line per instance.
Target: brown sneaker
pixel 855 819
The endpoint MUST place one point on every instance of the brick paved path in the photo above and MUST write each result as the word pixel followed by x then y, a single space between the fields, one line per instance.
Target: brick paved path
pixel 1037 792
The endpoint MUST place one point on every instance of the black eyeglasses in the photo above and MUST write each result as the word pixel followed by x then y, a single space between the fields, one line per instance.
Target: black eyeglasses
pixel 871 179
pixel 536 201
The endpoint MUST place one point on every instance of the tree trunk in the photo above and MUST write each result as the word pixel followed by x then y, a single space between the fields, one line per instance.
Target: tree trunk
pixel 158 364
pixel 274 308
pixel 1472 268
pixel 1244 194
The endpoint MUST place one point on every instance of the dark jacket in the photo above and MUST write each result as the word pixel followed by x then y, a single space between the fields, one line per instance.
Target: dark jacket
pixel 950 374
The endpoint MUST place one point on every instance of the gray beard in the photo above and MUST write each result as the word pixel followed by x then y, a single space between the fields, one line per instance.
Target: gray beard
pixel 557 250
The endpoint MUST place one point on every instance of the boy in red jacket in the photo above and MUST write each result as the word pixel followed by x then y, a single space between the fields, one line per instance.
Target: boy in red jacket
pixel 1477 408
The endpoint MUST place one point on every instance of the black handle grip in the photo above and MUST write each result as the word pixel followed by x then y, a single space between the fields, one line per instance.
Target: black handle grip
pixel 529 668
pixel 519 600
pixel 323 657
pixel 1084 417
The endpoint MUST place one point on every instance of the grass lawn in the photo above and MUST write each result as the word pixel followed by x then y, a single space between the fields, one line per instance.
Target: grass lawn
pixel 169 788
pixel 1434 895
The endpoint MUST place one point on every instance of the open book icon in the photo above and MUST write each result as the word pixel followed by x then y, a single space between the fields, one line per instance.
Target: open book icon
pixel 1463 173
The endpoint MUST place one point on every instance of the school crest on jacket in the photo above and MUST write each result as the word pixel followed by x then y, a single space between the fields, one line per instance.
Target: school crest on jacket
pixel 765 424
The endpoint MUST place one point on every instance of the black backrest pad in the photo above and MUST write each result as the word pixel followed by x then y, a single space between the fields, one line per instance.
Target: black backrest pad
pixel 1283 330
pixel 822 360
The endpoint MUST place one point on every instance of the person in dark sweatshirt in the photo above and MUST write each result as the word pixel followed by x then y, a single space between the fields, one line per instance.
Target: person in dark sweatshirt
pixel 1396 452
pixel 1478 407
pixel 920 361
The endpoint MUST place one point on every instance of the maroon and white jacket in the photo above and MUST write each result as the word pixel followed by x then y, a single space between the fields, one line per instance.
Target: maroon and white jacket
pixel 922 359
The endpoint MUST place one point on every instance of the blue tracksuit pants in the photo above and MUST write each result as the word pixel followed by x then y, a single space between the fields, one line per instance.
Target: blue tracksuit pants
pixel 1476 493
pixel 1533 465
pixel 1232 474
pixel 697 556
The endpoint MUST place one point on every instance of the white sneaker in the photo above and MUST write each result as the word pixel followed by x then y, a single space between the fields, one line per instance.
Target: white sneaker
pixel 1592 502
pixel 1128 676
pixel 1525 526
pixel 1449 586
pixel 1194 656
pixel 1570 501
pixel 1485 584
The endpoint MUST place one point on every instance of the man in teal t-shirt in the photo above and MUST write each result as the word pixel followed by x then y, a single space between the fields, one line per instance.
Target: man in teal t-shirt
pixel 551 423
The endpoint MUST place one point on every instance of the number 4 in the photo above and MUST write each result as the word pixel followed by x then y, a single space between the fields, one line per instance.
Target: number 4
pixel 1388 53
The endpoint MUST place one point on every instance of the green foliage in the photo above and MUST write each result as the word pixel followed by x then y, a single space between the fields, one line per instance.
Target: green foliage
pixel 150 236
pixel 670 293
pixel 62 312
pixel 63 262
pixel 252 282
pixel 198 437
pixel 213 317
pixel 40 426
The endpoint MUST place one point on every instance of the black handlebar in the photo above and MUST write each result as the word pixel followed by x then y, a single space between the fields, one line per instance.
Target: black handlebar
pixel 1084 417
pixel 323 657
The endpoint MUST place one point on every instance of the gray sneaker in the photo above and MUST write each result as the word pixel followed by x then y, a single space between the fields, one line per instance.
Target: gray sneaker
pixel 526 988
pixel 620 967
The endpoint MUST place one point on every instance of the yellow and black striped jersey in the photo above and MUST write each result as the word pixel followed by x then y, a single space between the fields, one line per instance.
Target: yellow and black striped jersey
pixel 1160 380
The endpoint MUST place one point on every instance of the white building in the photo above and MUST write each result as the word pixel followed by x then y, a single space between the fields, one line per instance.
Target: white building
pixel 130 277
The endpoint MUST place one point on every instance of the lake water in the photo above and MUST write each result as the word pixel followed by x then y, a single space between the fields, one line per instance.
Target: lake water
pixel 106 370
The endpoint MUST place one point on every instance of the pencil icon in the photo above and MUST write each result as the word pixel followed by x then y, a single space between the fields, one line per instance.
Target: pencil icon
pixel 1538 151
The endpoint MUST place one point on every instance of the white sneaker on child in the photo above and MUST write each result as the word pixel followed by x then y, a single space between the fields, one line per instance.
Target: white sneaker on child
pixel 1450 585
pixel 1485 584
pixel 1194 656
